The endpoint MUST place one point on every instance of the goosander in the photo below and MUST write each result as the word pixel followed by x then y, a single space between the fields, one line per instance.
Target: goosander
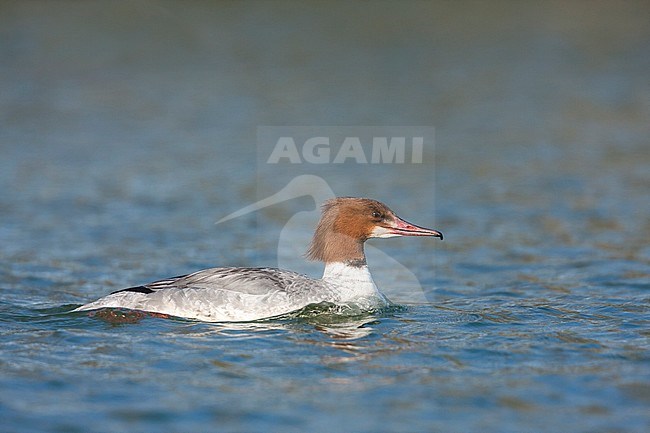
pixel 245 294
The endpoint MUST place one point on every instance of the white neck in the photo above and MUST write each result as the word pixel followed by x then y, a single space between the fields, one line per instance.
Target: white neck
pixel 352 282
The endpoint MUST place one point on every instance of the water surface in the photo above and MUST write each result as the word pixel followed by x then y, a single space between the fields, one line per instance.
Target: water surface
pixel 127 131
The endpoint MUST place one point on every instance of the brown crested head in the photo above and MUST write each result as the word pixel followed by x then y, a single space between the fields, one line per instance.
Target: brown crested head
pixel 347 222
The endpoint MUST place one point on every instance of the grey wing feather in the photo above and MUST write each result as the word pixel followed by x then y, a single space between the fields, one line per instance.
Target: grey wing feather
pixel 252 281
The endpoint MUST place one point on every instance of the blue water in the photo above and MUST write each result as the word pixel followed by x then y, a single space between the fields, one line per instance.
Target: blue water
pixel 127 130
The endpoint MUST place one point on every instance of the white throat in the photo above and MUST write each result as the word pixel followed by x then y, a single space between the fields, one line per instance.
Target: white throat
pixel 352 282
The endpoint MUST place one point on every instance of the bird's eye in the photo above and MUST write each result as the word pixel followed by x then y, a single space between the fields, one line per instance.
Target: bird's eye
pixel 376 215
